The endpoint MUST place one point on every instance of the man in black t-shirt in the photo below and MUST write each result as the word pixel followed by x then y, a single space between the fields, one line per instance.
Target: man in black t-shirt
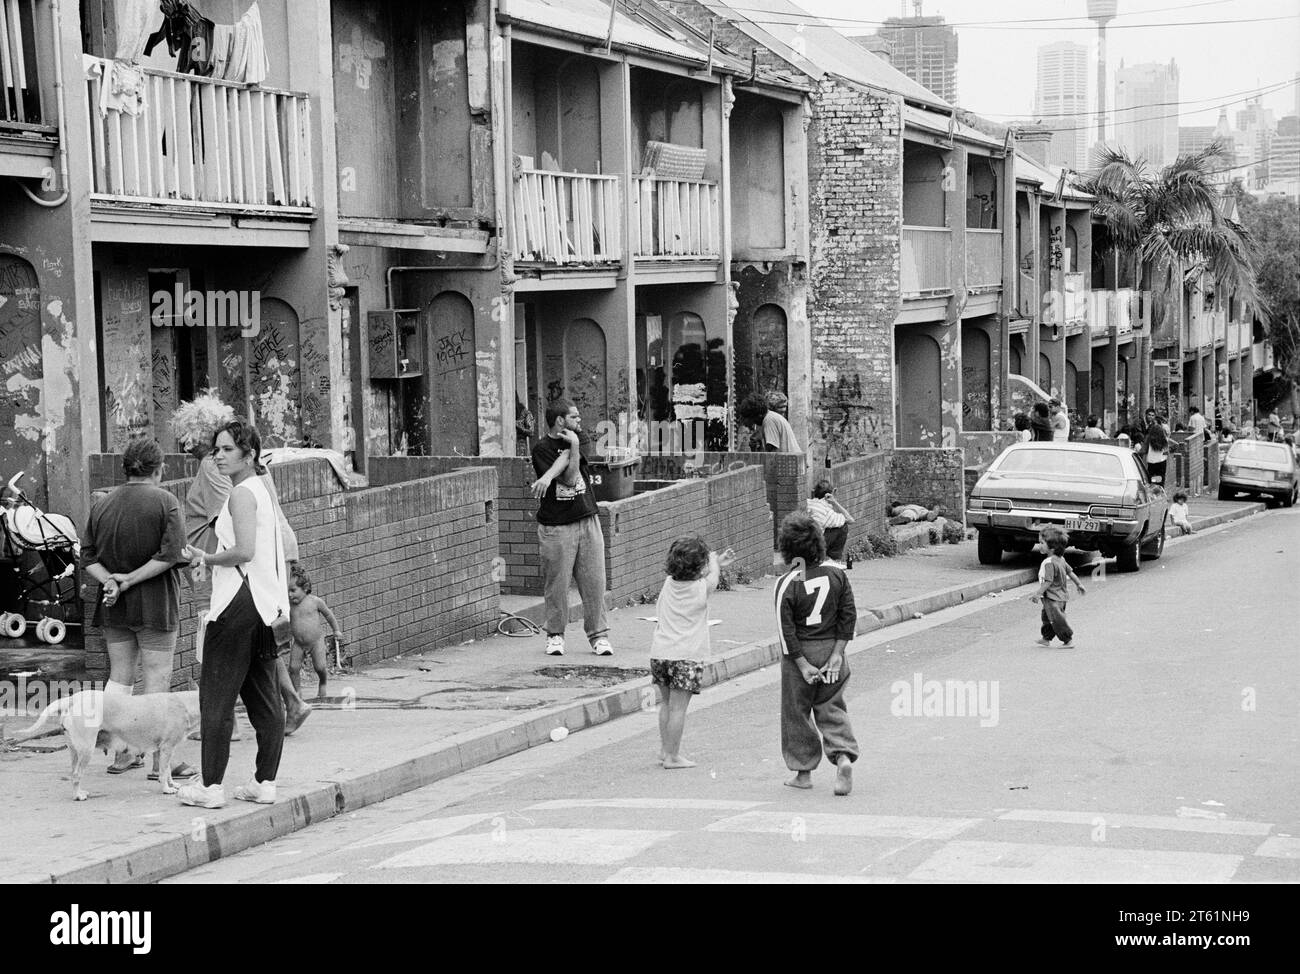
pixel 568 530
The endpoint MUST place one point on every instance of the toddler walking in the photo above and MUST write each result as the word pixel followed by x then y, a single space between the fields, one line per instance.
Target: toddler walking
pixel 305 611
pixel 681 639
pixel 1178 513
pixel 817 618
pixel 1053 592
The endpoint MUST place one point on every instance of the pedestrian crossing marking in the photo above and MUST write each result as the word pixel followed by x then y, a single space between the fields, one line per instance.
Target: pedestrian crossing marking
pixel 1017 862
pixel 555 847
pixel 1280 847
pixel 671 875
pixel 310 879
pixel 1162 822
pixel 686 804
pixel 423 830
pixel 865 826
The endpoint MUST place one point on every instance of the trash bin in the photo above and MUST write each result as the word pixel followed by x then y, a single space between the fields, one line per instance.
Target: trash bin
pixel 613 475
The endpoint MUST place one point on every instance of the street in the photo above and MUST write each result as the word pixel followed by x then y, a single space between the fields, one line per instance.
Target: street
pixel 1163 747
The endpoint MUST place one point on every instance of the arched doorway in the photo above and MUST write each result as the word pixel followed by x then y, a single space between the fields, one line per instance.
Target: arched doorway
pixel 1014 357
pixel 1071 391
pixel 762 359
pixel 273 375
pixel 20 353
pixel 917 365
pixel 585 374
pixel 1045 373
pixel 976 378
pixel 1097 404
pixel 451 378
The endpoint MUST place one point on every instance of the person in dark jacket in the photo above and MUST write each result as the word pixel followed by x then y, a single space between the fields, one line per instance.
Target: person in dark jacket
pixel 1040 423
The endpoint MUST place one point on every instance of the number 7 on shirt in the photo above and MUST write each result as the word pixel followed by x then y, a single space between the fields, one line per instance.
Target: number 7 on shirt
pixel 821 588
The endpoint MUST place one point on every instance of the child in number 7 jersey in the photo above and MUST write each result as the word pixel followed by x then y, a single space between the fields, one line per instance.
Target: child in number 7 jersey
pixel 817 617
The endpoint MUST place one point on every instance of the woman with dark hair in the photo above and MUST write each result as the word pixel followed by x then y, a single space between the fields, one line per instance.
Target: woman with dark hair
pixel 1157 453
pixel 132 546
pixel 1021 423
pixel 1040 423
pixel 249 594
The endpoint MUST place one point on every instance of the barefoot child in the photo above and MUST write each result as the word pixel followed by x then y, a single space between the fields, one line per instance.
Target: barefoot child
pixel 681 639
pixel 816 614
pixel 308 637
pixel 1053 592
pixel 1178 513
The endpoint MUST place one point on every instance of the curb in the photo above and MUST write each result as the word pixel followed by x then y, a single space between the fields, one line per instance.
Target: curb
pixel 472 749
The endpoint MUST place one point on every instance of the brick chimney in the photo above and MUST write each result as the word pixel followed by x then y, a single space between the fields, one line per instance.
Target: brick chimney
pixel 1033 141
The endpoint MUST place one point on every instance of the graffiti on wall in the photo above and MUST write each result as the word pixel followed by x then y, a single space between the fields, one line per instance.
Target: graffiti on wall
pixel 273 377
pixel 128 359
pixel 847 424
pixel 20 368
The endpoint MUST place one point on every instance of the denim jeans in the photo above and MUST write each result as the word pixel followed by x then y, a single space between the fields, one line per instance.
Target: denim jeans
pixel 574 551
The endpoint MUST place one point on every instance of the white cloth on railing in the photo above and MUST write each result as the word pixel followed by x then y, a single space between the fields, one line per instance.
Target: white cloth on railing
pixel 223 40
pixel 121 85
pixel 248 62
pixel 134 23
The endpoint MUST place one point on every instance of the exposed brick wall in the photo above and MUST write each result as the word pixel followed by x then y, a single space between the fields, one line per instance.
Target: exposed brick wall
pixel 784 473
pixel 728 510
pixel 1212 465
pixel 404 567
pixel 855 210
pixel 861 486
pixel 516 509
pixel 1189 452
pixel 929 477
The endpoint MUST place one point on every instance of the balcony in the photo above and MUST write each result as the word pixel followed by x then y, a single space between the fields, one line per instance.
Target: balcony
pixel 185 141
pixel 566 218
pixel 20 101
pixel 926 256
pixel 983 258
pixel 675 219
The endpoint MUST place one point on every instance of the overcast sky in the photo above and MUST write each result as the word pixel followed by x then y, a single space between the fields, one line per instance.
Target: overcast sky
pixel 996 65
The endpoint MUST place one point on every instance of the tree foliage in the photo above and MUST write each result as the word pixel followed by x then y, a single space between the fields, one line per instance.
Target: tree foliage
pixel 1274 225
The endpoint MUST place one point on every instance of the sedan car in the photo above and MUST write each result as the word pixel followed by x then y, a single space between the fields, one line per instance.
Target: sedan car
pixel 1100 494
pixel 1266 470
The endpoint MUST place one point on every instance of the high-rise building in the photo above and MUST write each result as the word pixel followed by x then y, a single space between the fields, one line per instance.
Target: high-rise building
pixel 1284 163
pixel 1061 102
pixel 1194 138
pixel 1255 125
pixel 1146 111
pixel 923 48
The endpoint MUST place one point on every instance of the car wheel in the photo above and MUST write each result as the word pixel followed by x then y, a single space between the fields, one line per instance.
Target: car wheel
pixel 1290 498
pixel 989 548
pixel 1127 558
pixel 1224 493
pixel 1154 548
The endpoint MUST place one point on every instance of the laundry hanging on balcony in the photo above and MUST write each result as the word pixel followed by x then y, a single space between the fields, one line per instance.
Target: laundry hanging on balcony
pixel 239 50
pixel 121 87
pixel 228 52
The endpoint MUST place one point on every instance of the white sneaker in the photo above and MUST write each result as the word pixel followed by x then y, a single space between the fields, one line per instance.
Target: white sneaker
pixel 554 645
pixel 602 647
pixel 213 796
pixel 262 792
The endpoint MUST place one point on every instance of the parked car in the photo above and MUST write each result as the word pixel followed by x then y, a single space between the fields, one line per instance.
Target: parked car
pixel 1261 469
pixel 1099 493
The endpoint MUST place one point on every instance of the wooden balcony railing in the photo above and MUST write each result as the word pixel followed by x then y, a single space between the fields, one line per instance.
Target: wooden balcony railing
pixel 194 140
pixel 674 218
pixel 566 218
pixel 925 258
pixel 20 101
pixel 983 258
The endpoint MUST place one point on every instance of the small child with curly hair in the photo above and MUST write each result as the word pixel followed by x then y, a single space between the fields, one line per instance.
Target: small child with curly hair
pixel 1053 593
pixel 1178 513
pixel 817 619
pixel 305 611
pixel 681 639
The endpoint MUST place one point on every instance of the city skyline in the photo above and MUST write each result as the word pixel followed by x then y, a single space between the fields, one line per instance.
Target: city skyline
pixel 1061 89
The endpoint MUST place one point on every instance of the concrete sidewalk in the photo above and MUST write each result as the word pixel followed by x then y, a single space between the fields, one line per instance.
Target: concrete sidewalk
pixel 410 721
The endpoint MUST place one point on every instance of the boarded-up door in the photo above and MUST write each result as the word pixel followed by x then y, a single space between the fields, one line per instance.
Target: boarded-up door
pixel 976 379
pixel 585 378
pixel 452 385
pixel 273 375
pixel 919 389
pixel 22 375
pixel 771 351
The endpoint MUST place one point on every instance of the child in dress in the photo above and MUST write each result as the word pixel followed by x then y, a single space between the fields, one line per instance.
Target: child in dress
pixel 1178 513
pixel 1052 592
pixel 308 637
pixel 817 618
pixel 681 640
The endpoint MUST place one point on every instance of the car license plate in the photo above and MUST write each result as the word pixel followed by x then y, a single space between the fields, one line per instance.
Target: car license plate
pixel 1082 525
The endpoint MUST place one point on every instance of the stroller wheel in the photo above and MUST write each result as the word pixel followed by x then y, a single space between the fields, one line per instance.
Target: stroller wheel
pixel 55 630
pixel 40 629
pixel 13 625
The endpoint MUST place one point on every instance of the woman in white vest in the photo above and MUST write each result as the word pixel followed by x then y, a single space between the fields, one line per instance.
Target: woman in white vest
pixel 249 595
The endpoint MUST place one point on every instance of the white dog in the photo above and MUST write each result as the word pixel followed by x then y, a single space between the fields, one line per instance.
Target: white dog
pixel 118 721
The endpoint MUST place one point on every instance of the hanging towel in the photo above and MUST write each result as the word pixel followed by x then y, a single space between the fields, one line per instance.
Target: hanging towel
pixel 248 60
pixel 223 38
pixel 134 23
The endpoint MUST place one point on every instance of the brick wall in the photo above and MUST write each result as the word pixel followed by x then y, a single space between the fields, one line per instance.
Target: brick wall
pixel 727 510
pixel 861 486
pixel 515 508
pixel 784 474
pixel 404 567
pixel 855 210
pixel 1188 451
pixel 929 477
pixel 1212 465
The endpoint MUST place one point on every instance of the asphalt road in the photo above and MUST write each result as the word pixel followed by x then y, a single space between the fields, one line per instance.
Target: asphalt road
pixel 1163 747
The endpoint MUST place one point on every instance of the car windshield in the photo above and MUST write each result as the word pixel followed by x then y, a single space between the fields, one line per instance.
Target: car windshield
pixel 1256 450
pixel 1070 464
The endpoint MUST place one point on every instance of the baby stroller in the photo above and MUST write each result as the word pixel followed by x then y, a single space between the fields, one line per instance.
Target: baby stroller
pixel 38 563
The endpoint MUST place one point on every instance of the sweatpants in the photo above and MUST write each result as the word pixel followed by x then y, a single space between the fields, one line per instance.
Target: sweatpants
pixel 836 539
pixel 571 551
pixel 813 715
pixel 233 668
pixel 1053 621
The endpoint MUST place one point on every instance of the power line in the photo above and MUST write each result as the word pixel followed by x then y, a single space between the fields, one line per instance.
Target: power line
pixel 805 17
pixel 1152 118
pixel 1252 92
